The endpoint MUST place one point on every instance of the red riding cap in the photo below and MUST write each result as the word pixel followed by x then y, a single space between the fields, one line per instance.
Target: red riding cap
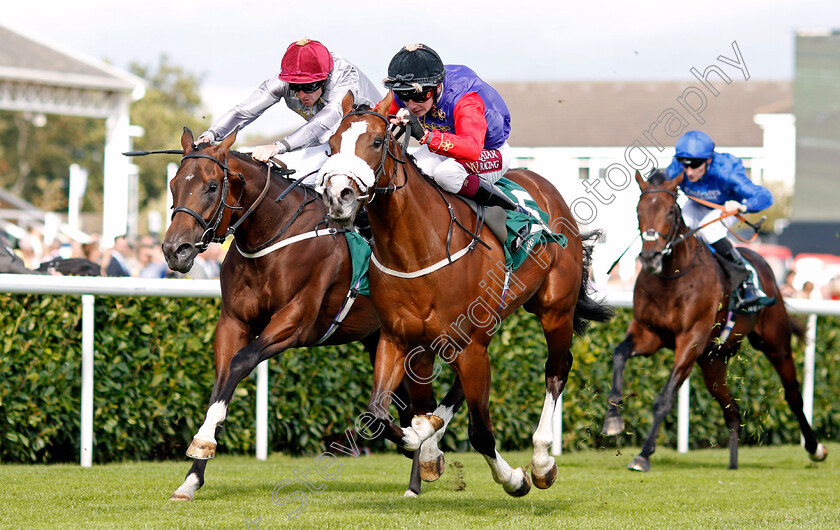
pixel 306 61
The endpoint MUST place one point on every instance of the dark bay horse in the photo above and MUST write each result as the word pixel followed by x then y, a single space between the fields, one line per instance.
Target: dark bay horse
pixel 438 290
pixel 680 302
pixel 272 298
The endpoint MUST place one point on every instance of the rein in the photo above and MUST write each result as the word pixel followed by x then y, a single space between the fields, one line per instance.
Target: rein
pixel 756 227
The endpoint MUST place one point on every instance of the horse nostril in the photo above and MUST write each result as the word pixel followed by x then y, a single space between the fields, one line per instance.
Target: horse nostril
pixel 347 195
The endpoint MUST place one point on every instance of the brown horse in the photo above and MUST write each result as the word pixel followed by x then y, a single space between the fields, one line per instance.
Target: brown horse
pixel 439 288
pixel 283 283
pixel 681 302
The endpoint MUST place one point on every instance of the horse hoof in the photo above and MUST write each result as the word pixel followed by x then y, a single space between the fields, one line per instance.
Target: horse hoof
pixel 435 421
pixel 201 449
pixel 820 454
pixel 545 481
pixel 432 470
pixel 410 494
pixel 613 425
pixel 180 496
pixel 639 463
pixel 522 490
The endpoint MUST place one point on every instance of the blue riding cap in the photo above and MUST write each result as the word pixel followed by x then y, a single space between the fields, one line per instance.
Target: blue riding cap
pixel 694 144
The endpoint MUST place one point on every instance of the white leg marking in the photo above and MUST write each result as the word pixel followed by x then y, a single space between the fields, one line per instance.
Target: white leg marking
pixel 421 430
pixel 510 479
pixel 542 462
pixel 189 486
pixel 215 415
pixel 429 450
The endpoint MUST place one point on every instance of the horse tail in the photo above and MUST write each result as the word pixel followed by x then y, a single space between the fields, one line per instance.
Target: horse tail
pixel 797 327
pixel 589 309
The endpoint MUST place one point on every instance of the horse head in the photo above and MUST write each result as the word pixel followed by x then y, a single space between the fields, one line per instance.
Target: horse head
pixel 359 159
pixel 660 218
pixel 202 192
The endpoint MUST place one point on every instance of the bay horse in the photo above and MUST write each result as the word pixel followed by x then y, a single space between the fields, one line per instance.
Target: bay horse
pixel 681 301
pixel 284 282
pixel 433 300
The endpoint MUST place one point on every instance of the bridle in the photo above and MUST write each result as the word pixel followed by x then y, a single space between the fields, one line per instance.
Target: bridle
pixel 388 151
pixel 674 238
pixel 211 227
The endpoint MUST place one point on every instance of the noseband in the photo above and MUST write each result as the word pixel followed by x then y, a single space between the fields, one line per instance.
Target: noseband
pixel 212 226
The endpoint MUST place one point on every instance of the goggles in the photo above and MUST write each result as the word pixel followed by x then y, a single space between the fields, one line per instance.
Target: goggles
pixel 417 97
pixel 693 163
pixel 307 88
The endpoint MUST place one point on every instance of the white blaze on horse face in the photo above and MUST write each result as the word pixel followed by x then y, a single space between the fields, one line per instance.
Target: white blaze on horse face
pixel 189 177
pixel 343 166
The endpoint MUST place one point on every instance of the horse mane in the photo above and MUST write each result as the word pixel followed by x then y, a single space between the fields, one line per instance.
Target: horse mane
pixel 658 178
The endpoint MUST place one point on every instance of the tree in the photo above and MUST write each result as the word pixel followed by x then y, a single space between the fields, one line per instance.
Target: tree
pixel 172 102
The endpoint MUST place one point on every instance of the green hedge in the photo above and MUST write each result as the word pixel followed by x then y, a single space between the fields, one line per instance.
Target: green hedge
pixel 154 372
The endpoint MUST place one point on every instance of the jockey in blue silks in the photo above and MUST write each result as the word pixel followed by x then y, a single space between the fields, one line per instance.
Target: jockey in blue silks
pixel 720 178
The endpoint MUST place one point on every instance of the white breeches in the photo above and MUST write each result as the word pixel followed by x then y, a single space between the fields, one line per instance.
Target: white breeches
pixel 306 161
pixel 695 214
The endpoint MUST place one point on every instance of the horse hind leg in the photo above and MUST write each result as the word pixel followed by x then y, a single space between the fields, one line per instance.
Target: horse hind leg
pixel 558 334
pixel 713 365
pixel 778 351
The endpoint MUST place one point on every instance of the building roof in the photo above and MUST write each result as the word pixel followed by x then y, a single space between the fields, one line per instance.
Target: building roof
pixel 616 113
pixel 31 59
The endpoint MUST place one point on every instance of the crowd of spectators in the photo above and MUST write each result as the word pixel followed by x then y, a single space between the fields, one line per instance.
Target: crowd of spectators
pixel 141 257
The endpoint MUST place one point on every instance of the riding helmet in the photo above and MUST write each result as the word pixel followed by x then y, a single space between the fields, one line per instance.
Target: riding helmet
pixel 306 61
pixel 415 67
pixel 695 144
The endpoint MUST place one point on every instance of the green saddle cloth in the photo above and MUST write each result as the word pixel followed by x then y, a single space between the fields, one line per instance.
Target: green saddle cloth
pixel 537 232
pixel 360 258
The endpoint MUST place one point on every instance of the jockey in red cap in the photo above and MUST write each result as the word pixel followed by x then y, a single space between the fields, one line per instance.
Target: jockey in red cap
pixel 313 83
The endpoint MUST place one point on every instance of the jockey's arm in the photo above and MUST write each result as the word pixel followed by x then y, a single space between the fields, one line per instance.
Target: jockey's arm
pixel 318 129
pixel 266 95
pixel 754 196
pixel 470 130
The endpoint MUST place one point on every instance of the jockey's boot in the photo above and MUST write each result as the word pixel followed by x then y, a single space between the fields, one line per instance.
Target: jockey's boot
pixel 746 289
pixel 489 195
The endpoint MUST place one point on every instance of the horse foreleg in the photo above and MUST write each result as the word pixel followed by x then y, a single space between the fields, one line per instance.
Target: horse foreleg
pixel 685 354
pixel 432 462
pixel 388 372
pixel 229 337
pixel 474 363
pixel 713 365
pixel 193 481
pixel 278 335
pixel 638 341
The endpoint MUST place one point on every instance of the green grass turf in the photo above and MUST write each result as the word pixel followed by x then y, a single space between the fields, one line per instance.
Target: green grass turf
pixel 774 487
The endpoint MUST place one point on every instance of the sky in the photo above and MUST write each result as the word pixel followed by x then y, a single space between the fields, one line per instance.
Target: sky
pixel 234 46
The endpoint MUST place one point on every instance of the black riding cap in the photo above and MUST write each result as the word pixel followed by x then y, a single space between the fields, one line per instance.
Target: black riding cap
pixel 414 67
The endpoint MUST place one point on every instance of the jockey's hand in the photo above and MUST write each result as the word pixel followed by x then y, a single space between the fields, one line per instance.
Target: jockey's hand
pixel 401 118
pixel 264 152
pixel 734 206
pixel 204 138
pixel 415 129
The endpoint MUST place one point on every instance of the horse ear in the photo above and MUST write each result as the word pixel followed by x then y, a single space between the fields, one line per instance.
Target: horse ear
pixel 187 140
pixel 642 182
pixel 676 181
pixel 385 105
pixel 347 102
pixel 229 139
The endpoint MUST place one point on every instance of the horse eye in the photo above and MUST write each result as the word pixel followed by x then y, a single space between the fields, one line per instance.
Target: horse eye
pixel 377 143
pixel 213 187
